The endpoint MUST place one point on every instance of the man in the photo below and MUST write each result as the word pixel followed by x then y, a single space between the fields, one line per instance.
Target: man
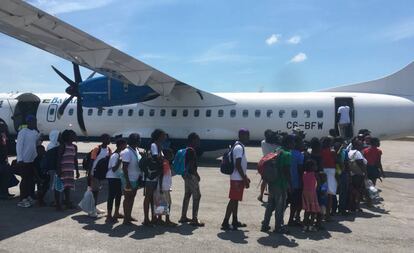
pixel 191 181
pixel 26 148
pixel 344 120
pixel 296 173
pixel 131 173
pixel 278 189
pixel 100 152
pixel 5 172
pixel 238 181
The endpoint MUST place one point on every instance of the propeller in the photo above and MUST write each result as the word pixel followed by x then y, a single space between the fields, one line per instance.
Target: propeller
pixel 73 91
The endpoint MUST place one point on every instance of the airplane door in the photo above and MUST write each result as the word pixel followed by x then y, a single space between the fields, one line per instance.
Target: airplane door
pixel 345 101
pixel 51 112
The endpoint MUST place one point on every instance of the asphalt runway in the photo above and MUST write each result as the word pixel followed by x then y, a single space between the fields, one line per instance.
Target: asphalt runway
pixel 388 227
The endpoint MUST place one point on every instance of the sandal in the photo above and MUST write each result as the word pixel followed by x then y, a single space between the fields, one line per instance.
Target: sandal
pixel 239 225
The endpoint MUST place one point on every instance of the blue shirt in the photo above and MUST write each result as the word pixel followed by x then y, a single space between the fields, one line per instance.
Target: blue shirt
pixel 297 159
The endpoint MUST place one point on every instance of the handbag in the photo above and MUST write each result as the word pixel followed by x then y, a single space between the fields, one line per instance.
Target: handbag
pixel 87 204
pixel 58 184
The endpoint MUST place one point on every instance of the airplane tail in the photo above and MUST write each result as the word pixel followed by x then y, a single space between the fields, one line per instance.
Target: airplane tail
pixel 401 83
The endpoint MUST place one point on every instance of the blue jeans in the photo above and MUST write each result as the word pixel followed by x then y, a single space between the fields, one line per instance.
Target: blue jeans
pixel 343 191
pixel 276 202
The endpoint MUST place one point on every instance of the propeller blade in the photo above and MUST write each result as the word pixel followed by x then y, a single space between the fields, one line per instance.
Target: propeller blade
pixel 91 75
pixel 76 71
pixel 62 107
pixel 67 80
pixel 79 114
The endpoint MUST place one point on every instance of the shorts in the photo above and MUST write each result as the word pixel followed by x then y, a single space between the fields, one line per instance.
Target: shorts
pixel 236 190
pixel 295 198
pixel 330 177
pixel 96 184
pixel 150 186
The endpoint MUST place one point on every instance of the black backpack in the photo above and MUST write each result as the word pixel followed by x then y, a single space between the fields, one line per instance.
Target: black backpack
pixel 101 168
pixel 151 167
pixel 227 163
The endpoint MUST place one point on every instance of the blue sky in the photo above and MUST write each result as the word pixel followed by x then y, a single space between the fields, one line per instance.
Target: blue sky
pixel 232 45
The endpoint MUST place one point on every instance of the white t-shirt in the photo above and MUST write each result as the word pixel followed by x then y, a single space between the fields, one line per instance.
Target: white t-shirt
pixel 26 146
pixel 268 148
pixel 344 117
pixel 102 154
pixel 354 155
pixel 132 157
pixel 113 161
pixel 238 152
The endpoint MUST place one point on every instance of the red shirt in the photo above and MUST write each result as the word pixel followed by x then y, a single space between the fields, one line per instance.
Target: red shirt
pixel 373 155
pixel 328 158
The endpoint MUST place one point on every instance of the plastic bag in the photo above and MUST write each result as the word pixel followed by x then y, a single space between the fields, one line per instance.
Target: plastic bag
pixel 58 184
pixel 87 203
pixel 372 191
pixel 161 205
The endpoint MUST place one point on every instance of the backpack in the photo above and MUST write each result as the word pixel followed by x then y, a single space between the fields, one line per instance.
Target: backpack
pixel 227 163
pixel 87 162
pixel 265 161
pixel 150 166
pixel 101 168
pixel 267 167
pixel 179 167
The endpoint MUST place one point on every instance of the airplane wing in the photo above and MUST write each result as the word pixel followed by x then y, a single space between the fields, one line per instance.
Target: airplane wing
pixel 24 22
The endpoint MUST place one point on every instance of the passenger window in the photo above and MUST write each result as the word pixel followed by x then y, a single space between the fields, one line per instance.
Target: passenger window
pixel 281 113
pixel 52 111
pixel 185 113
pixel 70 112
pixel 120 112
pixel 294 113
pixel 220 113
pixel 162 112
pixel 257 113
pixel 208 113
pixel 245 113
pixel 319 114
pixel 269 113
pixel 90 111
pixel 174 113
pixel 110 112
pixel 152 113
pixel 307 113
pixel 130 112
pixel 196 112
pixel 233 113
pixel 100 111
pixel 141 112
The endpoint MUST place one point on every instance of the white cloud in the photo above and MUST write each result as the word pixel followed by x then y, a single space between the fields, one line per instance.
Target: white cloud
pixel 220 53
pixel 274 38
pixel 294 39
pixel 64 6
pixel 299 58
pixel 400 31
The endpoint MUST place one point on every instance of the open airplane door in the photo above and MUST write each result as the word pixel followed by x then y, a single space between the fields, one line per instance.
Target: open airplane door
pixel 345 101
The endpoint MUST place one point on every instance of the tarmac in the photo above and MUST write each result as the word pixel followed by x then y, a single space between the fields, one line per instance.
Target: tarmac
pixel 387 227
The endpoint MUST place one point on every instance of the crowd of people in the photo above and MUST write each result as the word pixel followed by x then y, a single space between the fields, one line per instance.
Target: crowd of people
pixel 324 177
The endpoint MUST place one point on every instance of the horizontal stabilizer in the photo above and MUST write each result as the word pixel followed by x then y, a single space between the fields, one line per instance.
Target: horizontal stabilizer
pixel 400 83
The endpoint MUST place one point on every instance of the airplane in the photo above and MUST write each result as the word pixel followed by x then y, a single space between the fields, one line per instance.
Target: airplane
pixel 132 96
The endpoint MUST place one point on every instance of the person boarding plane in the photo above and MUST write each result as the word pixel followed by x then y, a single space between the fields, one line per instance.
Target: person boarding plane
pixel 132 96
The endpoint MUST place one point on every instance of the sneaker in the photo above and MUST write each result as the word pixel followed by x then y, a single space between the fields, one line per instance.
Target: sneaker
pixel 24 203
pixel 226 227
pixel 31 200
pixel 282 230
pixel 265 228
pixel 238 224
pixel 93 215
pixel 100 211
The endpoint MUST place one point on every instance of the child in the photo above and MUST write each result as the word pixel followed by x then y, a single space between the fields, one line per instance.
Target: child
pixel 42 177
pixel 166 183
pixel 373 155
pixel 309 198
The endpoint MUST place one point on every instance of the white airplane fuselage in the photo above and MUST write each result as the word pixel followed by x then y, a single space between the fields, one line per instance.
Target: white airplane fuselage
pixel 387 116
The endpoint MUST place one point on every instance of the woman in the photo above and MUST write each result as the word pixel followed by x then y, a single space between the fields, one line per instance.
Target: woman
pixel 329 168
pixel 357 165
pixel 67 163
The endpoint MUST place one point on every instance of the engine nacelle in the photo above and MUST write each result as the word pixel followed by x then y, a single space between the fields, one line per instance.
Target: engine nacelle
pixel 105 92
